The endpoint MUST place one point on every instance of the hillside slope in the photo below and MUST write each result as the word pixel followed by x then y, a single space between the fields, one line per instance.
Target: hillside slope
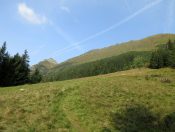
pixel 45 65
pixel 129 60
pixel 146 44
pixel 134 100
pixel 107 60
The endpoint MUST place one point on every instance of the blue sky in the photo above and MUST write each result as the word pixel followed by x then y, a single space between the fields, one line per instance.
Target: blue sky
pixel 62 29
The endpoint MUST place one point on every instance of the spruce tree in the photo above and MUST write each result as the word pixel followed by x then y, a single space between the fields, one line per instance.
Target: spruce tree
pixel 25 66
pixel 4 65
pixel 17 72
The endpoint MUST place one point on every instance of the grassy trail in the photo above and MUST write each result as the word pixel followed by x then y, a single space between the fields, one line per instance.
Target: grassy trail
pixel 73 119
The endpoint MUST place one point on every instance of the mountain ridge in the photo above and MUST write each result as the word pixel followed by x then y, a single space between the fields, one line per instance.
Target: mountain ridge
pixel 132 45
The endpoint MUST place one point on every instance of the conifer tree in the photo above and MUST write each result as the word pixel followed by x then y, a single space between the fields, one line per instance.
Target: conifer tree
pixel 25 67
pixel 4 65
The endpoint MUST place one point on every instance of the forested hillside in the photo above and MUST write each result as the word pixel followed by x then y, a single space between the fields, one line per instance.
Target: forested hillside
pixel 132 54
pixel 108 65
pixel 147 44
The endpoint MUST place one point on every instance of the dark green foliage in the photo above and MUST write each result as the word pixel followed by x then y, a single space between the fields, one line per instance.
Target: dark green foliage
pixel 170 45
pixel 104 66
pixel 172 58
pixel 5 62
pixel 139 62
pixel 138 118
pixel 157 60
pixel 36 77
pixel 168 123
pixel 14 70
pixel 164 56
pixel 20 69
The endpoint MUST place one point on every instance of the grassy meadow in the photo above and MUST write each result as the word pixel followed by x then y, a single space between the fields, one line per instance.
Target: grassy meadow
pixel 134 100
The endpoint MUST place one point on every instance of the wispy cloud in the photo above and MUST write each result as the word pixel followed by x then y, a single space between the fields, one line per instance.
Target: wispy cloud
pixel 65 8
pixel 66 37
pixel 30 15
pixel 82 42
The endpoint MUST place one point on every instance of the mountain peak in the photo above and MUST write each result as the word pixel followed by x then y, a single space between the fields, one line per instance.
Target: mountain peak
pixel 45 65
pixel 50 60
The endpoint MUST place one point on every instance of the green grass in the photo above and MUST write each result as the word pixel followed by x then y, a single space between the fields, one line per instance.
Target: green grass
pixel 92 103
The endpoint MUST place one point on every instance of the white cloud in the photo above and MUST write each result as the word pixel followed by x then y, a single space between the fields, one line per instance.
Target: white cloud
pixel 65 8
pixel 30 15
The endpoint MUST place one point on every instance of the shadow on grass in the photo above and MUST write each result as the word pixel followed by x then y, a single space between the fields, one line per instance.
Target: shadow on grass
pixel 138 118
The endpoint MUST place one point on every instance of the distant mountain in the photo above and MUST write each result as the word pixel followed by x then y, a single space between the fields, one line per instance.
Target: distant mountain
pixel 45 65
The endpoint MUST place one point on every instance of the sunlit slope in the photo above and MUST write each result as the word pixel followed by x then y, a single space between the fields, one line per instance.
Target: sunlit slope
pixel 89 104
pixel 146 44
pixel 45 65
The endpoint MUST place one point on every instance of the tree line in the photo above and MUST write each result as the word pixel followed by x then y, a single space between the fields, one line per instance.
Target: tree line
pixel 15 70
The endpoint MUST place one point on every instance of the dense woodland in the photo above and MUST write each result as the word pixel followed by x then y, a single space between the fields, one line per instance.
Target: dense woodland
pixel 15 70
